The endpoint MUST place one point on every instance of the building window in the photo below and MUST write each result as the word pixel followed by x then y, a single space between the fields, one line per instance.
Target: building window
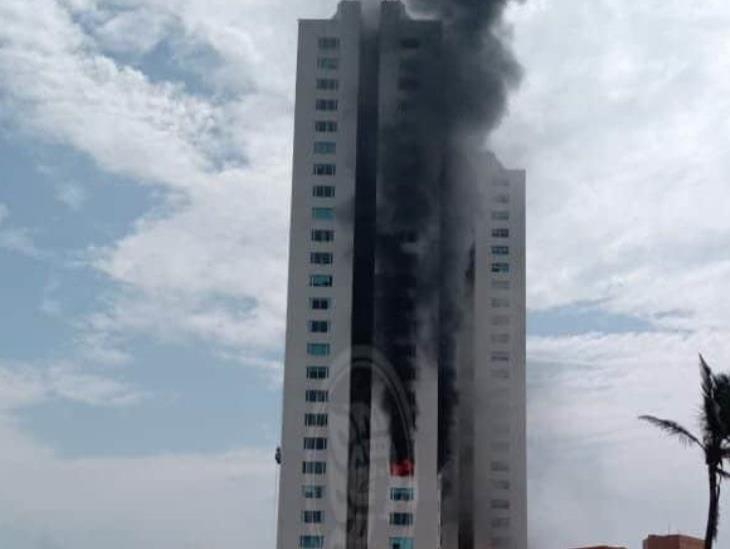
pixel 326 214
pixel 500 233
pixel 325 104
pixel 500 504
pixel 500 320
pixel 500 373
pixel 499 466
pixel 313 491
pixel 323 235
pixel 314 467
pixel 501 284
pixel 500 250
pixel 408 84
pixel 315 443
pixel 320 281
pixel 401 519
pixel 401 494
pixel 409 65
pixel 410 43
pixel 321 258
pixel 318 349
pixel 501 428
pixel 330 84
pixel 498 543
pixel 324 169
pixel 500 446
pixel 312 517
pixel 316 395
pixel 400 543
pixel 318 372
pixel 501 215
pixel 499 338
pixel 501 198
pixel 500 484
pixel 315 420
pixel 311 542
pixel 325 126
pixel 499 302
pixel 319 326
pixel 328 63
pixel 499 356
pixel 500 522
pixel 500 267
pixel 329 43
pixel 325 147
pixel 323 191
pixel 319 303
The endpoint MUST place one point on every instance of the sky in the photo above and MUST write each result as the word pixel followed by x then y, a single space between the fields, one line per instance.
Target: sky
pixel 145 151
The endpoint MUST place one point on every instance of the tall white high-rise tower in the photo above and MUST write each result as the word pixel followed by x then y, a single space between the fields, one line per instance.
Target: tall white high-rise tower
pixel 404 386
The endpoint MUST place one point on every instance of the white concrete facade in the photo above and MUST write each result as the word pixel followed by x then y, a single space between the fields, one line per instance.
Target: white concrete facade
pixel 328 69
pixel 499 400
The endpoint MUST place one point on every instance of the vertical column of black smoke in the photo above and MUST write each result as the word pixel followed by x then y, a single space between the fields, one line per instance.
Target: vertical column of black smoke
pixel 407 288
pixel 363 294
pixel 476 81
pixel 464 106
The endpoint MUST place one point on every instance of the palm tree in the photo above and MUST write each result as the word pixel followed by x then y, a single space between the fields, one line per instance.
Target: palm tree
pixel 714 441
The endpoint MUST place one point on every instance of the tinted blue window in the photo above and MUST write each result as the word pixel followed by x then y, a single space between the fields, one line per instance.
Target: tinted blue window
pixel 327 84
pixel 320 258
pixel 318 372
pixel 323 213
pixel 401 494
pixel 314 467
pixel 311 542
pixel 329 43
pixel 324 169
pixel 328 63
pixel 312 491
pixel 315 395
pixel 325 104
pixel 400 543
pixel 318 349
pixel 320 281
pixel 325 126
pixel 401 519
pixel 325 147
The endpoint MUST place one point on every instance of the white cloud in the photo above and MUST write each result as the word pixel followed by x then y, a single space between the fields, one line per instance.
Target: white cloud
pixel 171 501
pixel 136 31
pixel 622 134
pixel 222 233
pixel 24 384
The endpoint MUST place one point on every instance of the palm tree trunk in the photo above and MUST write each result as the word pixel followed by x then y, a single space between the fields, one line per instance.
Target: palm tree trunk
pixel 712 513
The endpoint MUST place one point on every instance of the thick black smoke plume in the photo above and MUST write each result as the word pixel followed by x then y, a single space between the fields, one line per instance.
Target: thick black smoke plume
pixel 425 212
pixel 479 68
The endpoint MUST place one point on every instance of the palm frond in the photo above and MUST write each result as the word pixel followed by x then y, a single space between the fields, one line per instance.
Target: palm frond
pixel 673 428
pixel 722 398
pixel 712 426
